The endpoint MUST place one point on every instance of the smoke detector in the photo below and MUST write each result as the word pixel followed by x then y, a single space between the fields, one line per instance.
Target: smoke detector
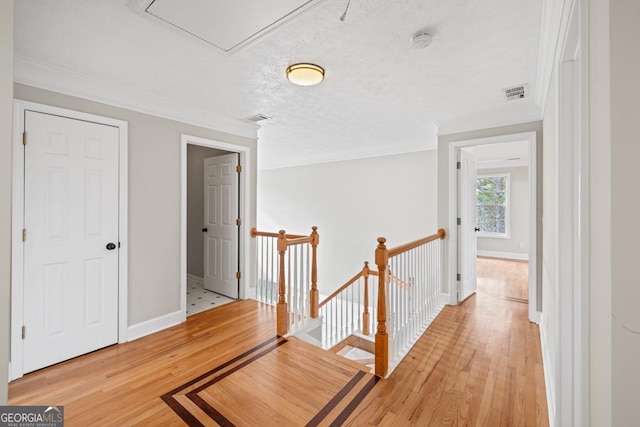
pixel 421 40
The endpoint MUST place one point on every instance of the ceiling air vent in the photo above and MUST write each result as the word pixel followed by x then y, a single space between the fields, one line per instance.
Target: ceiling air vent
pixel 516 92
pixel 257 118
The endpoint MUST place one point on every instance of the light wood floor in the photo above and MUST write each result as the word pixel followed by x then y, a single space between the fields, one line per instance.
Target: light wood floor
pixel 478 364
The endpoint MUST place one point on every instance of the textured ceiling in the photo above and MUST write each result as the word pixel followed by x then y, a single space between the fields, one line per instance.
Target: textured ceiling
pixel 379 96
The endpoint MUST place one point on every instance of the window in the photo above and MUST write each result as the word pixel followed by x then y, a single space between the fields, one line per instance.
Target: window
pixel 492 205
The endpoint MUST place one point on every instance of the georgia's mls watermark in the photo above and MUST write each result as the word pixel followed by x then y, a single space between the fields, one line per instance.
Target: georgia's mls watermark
pixel 31 416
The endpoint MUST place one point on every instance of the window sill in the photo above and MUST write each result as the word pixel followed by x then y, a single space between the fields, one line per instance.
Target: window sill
pixel 493 235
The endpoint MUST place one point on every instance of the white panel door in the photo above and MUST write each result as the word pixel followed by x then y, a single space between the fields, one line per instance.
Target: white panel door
pixel 467 245
pixel 71 214
pixel 220 215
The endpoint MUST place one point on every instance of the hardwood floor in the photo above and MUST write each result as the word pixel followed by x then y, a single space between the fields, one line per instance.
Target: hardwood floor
pixel 478 364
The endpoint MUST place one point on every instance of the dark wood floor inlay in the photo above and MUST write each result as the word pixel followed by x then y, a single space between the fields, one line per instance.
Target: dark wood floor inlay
pixel 219 372
pixel 199 390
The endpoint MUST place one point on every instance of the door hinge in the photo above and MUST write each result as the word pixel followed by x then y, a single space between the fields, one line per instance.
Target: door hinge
pixel 459 165
pixel 458 277
pixel 238 168
pixel 238 222
pixel 238 275
pixel 24 332
pixel 459 221
pixel 24 138
pixel 24 234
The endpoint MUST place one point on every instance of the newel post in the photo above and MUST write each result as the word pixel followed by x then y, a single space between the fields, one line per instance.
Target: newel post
pixel 365 313
pixel 382 339
pixel 282 310
pixel 313 295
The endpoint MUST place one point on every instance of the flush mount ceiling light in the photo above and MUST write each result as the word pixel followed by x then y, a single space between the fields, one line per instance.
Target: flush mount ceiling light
pixel 305 74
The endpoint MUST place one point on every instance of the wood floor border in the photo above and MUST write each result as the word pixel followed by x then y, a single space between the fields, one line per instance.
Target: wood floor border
pixel 184 412
pixel 235 364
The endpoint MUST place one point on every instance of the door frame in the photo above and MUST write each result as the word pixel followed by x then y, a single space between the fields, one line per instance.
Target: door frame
pixel 244 240
pixel 17 215
pixel 531 137
pixel 570 396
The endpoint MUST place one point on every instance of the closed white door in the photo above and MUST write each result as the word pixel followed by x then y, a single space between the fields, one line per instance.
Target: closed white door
pixel 71 215
pixel 467 249
pixel 221 215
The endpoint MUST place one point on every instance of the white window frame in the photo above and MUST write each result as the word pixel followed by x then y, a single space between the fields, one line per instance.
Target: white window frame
pixel 507 211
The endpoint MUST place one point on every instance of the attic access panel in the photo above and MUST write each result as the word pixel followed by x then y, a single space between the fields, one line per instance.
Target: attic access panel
pixel 228 25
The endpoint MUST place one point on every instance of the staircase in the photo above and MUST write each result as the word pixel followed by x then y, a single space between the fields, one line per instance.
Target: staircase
pixel 374 318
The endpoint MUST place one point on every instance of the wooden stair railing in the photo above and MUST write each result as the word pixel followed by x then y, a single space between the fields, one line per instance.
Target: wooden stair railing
pixel 383 255
pixel 284 242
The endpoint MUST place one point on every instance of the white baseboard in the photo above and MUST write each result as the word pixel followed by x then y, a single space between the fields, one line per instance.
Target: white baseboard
pixel 195 279
pixel 549 381
pixel 507 255
pixel 155 325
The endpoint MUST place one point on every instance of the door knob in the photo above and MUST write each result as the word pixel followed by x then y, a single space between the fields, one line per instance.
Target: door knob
pixel 204 230
pixel 111 246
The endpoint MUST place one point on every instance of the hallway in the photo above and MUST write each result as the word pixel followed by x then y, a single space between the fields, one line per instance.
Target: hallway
pixel 478 364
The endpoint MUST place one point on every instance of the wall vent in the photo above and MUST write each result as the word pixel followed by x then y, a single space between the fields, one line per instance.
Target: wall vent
pixel 516 92
pixel 257 118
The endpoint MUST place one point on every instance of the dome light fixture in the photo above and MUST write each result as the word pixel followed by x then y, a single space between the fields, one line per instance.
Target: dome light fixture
pixel 305 74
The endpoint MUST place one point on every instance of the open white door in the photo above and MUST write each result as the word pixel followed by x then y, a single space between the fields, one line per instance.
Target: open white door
pixel 467 249
pixel 221 215
pixel 70 238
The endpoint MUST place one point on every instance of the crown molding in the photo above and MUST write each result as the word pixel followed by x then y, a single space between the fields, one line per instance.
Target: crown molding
pixel 54 78
pixel 550 31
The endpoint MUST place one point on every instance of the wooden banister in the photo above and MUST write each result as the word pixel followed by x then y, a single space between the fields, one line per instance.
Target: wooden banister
pixel 282 310
pixel 398 281
pixel 341 288
pixel 298 240
pixel 314 294
pixel 382 338
pixel 441 234
pixel 256 233
pixel 365 299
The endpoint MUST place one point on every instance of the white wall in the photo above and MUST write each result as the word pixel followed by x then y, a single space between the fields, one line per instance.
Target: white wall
pixel 625 208
pixel 195 206
pixel 600 325
pixel 6 123
pixel 518 213
pixel 353 203
pixel 154 199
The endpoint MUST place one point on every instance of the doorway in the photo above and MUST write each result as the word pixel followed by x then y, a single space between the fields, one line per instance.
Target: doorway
pixel 483 152
pixel 69 228
pixel 212 230
pixel 197 231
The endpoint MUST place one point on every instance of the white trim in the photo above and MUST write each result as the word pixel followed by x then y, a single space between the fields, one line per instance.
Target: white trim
pixel 552 11
pixel 548 383
pixel 31 72
pixel 246 267
pixel 534 314
pixel 572 239
pixel 506 255
pixel 152 326
pixel 17 201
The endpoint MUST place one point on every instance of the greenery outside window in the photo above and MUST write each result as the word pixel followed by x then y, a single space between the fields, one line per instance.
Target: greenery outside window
pixel 492 205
